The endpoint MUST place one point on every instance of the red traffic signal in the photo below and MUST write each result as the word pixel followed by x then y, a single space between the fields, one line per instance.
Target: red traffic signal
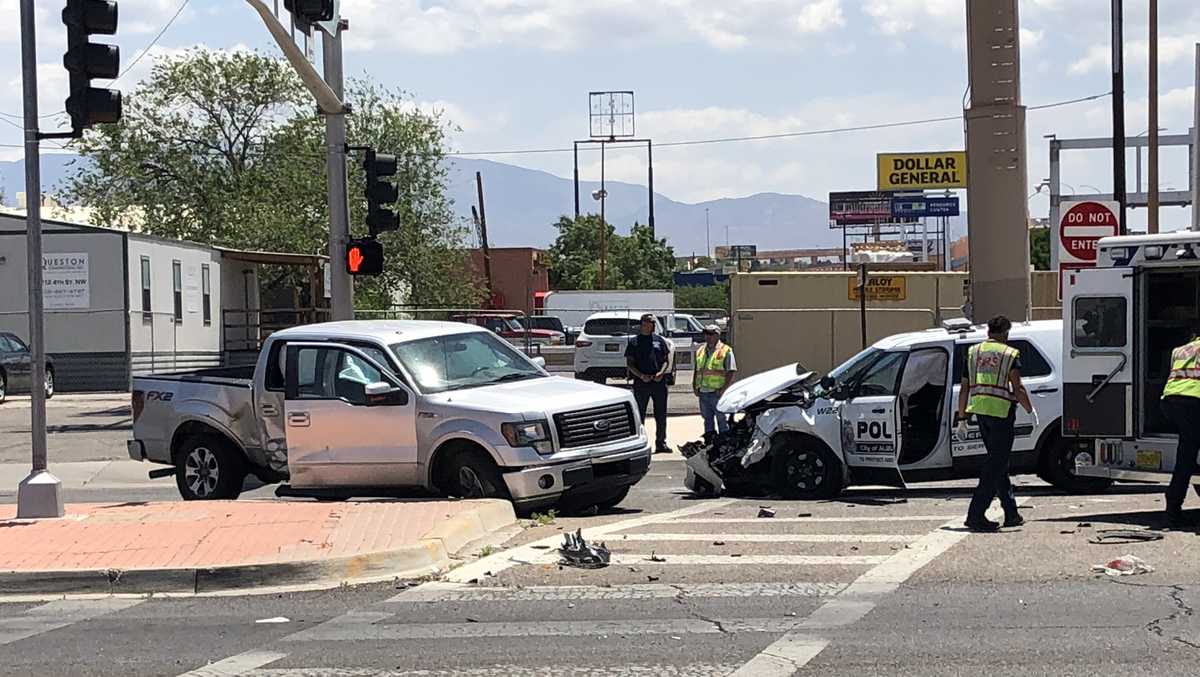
pixel 364 257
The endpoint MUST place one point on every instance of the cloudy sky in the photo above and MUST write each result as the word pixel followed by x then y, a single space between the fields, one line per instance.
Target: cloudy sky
pixel 514 74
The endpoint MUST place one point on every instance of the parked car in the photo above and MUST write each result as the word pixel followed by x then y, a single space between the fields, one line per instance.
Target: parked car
pixel 600 347
pixel 546 323
pixel 885 416
pixel 16 368
pixel 508 328
pixel 359 408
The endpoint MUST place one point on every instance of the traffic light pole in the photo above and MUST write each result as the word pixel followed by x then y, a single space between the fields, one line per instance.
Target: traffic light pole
pixel 39 494
pixel 342 292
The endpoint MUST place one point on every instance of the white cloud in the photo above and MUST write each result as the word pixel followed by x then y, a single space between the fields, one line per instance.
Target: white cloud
pixel 894 17
pixel 1137 54
pixel 556 25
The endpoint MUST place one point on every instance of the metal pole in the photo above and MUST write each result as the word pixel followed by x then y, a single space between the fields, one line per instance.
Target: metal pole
pixel 707 236
pixel 1196 149
pixel 576 180
pixel 1152 201
pixel 650 161
pixel 603 224
pixel 862 301
pixel 483 241
pixel 1118 110
pixel 39 494
pixel 341 284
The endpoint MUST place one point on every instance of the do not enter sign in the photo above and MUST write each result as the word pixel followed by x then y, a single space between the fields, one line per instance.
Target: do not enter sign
pixel 1082 226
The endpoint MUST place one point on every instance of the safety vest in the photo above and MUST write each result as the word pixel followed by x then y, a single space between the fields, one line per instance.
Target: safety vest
pixel 710 369
pixel 1184 379
pixel 989 365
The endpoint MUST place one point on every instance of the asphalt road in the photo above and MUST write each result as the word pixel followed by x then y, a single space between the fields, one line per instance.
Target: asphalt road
pixel 878 582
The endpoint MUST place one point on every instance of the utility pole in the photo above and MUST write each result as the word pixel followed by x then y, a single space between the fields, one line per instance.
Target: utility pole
pixel 481 222
pixel 40 493
pixel 1118 110
pixel 1152 201
pixel 342 292
pixel 707 236
pixel 603 224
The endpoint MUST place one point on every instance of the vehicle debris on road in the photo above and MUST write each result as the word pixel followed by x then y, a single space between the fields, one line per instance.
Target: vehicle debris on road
pixel 1126 565
pixel 575 552
pixel 764 511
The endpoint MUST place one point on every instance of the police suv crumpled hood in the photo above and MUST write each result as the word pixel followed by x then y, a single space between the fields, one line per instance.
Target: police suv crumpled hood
pixel 759 387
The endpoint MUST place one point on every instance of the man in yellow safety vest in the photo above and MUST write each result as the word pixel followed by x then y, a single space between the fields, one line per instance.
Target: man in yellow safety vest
pixel 991 385
pixel 1181 404
pixel 714 371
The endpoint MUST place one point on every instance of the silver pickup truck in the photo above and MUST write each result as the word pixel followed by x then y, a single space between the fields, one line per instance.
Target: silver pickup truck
pixel 369 407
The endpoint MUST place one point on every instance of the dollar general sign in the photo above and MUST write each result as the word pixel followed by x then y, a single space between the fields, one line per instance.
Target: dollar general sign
pixel 922 171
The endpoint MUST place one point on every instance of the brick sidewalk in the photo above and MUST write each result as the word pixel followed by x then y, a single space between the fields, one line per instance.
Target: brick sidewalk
pixel 200 534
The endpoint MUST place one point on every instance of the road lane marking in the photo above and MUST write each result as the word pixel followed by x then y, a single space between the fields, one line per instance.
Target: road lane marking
pixel 234 666
pixel 460 592
pixel 60 614
pixel 343 630
pixel 627 558
pixel 628 670
pixel 528 553
pixel 771 538
pixel 770 520
pixel 794 650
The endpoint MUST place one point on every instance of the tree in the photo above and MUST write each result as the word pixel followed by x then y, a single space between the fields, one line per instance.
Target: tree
pixel 715 296
pixel 634 261
pixel 223 148
pixel 1039 248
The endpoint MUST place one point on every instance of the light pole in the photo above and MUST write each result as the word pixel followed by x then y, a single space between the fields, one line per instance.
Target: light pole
pixel 707 236
pixel 1152 198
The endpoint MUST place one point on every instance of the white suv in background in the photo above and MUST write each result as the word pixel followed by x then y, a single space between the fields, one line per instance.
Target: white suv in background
pixel 600 347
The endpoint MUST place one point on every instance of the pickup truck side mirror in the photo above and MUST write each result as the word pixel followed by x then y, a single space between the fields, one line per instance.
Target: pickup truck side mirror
pixel 540 361
pixel 383 394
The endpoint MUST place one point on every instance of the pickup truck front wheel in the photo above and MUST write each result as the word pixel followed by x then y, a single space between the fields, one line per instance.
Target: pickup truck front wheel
pixel 207 469
pixel 472 474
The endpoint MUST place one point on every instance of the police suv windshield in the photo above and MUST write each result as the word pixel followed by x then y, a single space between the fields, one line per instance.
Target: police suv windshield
pixel 851 370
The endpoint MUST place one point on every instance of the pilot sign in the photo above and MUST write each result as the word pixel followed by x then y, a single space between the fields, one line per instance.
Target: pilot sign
pixel 876 436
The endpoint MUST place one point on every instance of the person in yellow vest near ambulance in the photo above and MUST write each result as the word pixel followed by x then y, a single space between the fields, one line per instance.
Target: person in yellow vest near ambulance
pixel 714 371
pixel 1181 404
pixel 991 385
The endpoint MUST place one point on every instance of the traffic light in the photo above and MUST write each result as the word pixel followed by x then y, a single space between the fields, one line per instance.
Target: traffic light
pixel 364 256
pixel 86 61
pixel 380 192
pixel 308 12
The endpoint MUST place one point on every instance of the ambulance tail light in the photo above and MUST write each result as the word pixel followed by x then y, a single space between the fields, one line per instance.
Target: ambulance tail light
pixel 1110 452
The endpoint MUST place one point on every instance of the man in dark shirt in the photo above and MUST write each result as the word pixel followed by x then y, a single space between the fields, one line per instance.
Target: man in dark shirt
pixel 648 357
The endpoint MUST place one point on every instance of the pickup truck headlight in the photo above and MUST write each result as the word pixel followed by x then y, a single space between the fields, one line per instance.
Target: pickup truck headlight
pixel 534 434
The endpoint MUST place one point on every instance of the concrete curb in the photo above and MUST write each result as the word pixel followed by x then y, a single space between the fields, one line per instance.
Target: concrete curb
pixel 429 555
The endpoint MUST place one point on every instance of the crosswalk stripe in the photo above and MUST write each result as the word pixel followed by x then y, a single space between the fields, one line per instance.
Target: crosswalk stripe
pixel 454 592
pixel 236 666
pixel 774 538
pixel 57 615
pixel 627 670
pixel 762 520
pixel 626 558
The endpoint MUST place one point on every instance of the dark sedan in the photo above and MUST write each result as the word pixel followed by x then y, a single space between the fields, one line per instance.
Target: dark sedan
pixel 16 368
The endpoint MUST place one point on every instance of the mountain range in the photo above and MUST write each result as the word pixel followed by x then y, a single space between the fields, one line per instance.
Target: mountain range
pixel 522 206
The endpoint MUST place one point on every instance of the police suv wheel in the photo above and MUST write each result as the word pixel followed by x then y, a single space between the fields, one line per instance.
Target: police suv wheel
pixel 802 469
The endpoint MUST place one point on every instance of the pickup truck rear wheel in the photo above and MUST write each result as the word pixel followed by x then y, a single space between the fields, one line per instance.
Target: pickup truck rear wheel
pixel 208 469
pixel 472 474
pixel 802 469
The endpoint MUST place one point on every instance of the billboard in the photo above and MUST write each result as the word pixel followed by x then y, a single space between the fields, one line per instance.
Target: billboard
pixel 922 171
pixel 863 208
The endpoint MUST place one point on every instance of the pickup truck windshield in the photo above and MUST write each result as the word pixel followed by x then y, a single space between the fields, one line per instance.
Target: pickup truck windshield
pixel 460 361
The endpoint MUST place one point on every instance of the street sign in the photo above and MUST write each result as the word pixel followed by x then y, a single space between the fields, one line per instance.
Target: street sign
pixel 922 171
pixel 1079 231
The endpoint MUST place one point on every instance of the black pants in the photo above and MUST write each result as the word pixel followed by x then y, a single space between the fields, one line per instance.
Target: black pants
pixel 1184 412
pixel 657 391
pixel 997 436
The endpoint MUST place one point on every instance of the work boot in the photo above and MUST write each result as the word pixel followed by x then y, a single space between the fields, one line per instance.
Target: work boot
pixel 1013 520
pixel 984 526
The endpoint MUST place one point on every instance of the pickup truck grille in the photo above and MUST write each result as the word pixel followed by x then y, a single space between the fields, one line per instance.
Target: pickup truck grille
pixel 595 426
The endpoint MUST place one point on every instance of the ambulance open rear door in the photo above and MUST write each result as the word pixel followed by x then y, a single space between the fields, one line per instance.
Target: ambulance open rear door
pixel 1098 383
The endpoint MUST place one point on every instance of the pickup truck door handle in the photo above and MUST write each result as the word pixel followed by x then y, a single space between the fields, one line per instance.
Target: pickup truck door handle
pixel 1044 391
pixel 298 419
pixel 269 410
pixel 879 411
